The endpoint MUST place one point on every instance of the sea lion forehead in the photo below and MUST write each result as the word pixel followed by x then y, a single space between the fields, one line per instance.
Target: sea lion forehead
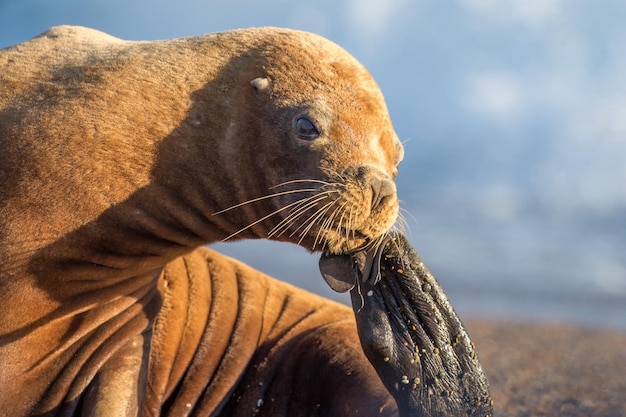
pixel 306 61
pixel 305 69
pixel 289 42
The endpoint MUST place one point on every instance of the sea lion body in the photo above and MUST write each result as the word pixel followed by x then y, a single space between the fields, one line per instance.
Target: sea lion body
pixel 119 157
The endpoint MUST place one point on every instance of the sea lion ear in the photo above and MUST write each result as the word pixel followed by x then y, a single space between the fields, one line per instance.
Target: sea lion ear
pixel 260 83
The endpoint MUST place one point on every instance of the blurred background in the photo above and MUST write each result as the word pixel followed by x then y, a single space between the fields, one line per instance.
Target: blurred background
pixel 513 115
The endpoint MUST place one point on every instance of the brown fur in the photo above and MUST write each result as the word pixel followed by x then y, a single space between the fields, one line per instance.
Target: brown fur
pixel 118 157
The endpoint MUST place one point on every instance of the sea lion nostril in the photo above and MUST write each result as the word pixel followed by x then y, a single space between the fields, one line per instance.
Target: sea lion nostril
pixel 382 189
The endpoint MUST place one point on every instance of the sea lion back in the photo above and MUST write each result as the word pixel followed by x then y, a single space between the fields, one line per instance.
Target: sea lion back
pixel 27 65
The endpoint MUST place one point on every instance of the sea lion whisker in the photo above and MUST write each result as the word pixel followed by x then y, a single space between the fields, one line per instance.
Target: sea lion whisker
pixel 371 243
pixel 298 181
pixel 338 177
pixel 326 225
pixel 300 209
pixel 340 209
pixel 310 222
pixel 401 227
pixel 343 215
pixel 318 238
pixel 405 211
pixel 265 198
pixel 374 244
pixel 297 211
pixel 350 228
pixel 331 219
pixel 340 224
pixel 321 229
pixel 260 220
pixel 400 224
pixel 303 210
pixel 254 200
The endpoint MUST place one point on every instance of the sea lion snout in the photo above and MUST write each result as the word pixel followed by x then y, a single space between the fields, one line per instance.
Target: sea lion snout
pixel 365 206
pixel 383 190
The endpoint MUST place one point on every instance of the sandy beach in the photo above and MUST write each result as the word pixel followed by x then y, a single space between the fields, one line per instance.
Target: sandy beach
pixel 552 370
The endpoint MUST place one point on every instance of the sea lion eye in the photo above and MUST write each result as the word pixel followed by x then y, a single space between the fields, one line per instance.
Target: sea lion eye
pixel 305 128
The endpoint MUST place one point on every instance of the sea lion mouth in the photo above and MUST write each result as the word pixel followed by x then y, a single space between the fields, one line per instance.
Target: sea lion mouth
pixel 338 215
pixel 410 332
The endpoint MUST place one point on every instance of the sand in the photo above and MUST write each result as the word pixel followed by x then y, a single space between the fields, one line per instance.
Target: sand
pixel 552 370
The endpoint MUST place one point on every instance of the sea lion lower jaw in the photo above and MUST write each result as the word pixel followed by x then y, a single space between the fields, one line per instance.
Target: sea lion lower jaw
pixel 410 332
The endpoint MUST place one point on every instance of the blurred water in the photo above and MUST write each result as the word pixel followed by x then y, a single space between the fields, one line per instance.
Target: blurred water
pixel 514 117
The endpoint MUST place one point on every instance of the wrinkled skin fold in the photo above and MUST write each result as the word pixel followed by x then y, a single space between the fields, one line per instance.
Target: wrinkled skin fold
pixel 410 332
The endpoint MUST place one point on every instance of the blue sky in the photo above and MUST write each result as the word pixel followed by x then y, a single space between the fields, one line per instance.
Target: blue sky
pixel 513 115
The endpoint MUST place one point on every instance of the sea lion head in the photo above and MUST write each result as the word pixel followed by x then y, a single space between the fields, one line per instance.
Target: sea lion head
pixel 323 142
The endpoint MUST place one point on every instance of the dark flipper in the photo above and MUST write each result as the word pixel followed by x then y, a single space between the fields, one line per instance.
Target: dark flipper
pixel 411 334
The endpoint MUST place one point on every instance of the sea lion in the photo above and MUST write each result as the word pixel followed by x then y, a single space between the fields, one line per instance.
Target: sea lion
pixel 119 157
pixel 410 331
